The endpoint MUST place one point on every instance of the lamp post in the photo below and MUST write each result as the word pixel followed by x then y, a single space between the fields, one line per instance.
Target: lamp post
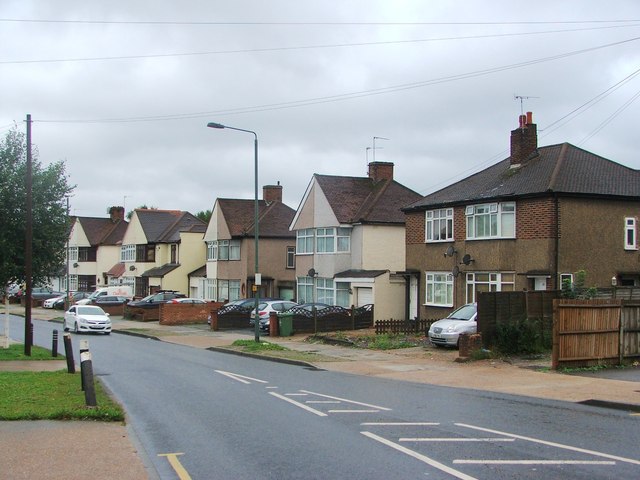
pixel 256 234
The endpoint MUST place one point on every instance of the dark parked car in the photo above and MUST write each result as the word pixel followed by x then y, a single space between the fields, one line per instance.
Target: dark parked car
pixel 154 300
pixel 75 296
pixel 109 300
pixel 44 293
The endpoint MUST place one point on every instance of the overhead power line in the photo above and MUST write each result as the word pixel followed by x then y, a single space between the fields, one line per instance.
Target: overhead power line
pixel 343 96
pixel 303 47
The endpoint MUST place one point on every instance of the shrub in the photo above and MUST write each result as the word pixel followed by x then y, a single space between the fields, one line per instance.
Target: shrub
pixel 519 337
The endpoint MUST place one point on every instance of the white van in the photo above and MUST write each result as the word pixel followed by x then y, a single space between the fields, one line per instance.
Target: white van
pixel 114 291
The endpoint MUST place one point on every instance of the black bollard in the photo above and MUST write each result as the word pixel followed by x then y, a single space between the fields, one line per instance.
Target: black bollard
pixel 68 351
pixel 84 347
pixel 54 344
pixel 86 369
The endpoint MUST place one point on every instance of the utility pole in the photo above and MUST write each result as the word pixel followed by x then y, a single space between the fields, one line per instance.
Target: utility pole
pixel 28 248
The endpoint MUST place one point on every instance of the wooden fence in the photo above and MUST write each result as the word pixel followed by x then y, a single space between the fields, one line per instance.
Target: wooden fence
pixel 495 308
pixel 603 331
pixel 403 327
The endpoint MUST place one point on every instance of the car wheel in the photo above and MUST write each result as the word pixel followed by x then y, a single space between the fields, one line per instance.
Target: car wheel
pixel 64 326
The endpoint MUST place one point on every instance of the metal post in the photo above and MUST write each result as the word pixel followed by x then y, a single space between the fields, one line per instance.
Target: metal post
pixel 28 248
pixel 84 348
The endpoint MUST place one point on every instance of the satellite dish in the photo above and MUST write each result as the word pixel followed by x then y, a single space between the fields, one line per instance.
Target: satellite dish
pixel 312 272
pixel 450 251
pixel 467 259
pixel 456 270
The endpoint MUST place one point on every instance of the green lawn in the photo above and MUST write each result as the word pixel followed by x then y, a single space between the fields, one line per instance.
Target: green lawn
pixel 49 395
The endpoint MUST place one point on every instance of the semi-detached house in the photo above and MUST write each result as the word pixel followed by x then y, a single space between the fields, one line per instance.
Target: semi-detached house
pixel 529 222
pixel 350 241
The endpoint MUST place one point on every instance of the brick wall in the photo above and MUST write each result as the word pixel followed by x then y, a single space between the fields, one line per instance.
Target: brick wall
pixel 185 313
pixel 535 219
pixel 415 228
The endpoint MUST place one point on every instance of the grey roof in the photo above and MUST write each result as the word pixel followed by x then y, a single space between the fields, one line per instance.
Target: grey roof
pixel 561 169
pixel 165 226
pixel 356 273
pixel 160 271
pixel 103 231
pixel 361 200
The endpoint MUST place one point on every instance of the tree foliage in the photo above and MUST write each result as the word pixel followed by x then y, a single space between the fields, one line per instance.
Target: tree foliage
pixel 49 215
pixel 204 215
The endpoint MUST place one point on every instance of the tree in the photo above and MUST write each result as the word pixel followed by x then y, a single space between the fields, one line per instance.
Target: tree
pixel 49 214
pixel 141 207
pixel 205 216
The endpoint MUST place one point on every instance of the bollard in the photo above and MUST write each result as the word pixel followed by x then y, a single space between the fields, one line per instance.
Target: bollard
pixel 54 344
pixel 86 369
pixel 84 347
pixel 68 351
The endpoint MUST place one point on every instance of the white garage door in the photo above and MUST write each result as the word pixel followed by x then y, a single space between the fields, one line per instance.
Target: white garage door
pixel 365 296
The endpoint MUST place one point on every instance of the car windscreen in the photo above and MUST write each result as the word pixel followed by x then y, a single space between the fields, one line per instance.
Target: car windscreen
pixel 90 311
pixel 464 313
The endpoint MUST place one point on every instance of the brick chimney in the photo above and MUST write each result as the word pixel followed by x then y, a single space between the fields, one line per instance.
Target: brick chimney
pixel 116 214
pixel 272 193
pixel 380 171
pixel 524 140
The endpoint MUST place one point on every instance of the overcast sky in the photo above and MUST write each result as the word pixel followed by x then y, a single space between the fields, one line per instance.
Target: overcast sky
pixel 122 90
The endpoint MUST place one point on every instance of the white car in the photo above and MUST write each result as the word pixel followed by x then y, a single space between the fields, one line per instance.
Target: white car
pixel 87 318
pixel 446 332
pixel 50 302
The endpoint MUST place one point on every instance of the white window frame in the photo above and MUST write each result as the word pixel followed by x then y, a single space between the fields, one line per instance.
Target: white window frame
pixel 630 234
pixel 495 216
pixel 73 283
pixel 497 282
pixel 435 283
pixel 325 290
pixel 73 254
pixel 304 289
pixel 304 241
pixel 343 240
pixel 223 250
pixel 434 222
pixel 234 290
pixel 291 257
pixel 212 251
pixel 566 276
pixel 128 253
pixel 211 292
pixel 343 295
pixel 326 240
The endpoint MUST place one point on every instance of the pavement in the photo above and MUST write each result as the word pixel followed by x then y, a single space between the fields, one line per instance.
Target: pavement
pixel 429 365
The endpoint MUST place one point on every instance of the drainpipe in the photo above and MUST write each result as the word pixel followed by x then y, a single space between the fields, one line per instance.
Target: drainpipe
pixel 557 241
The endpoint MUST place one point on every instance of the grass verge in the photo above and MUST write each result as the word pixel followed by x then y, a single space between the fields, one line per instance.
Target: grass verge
pixel 274 350
pixel 52 396
pixel 16 352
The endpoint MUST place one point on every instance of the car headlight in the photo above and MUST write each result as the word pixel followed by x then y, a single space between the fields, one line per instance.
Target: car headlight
pixel 452 328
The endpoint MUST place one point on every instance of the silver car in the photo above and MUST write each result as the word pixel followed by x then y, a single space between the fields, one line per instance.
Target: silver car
pixel 446 332
pixel 87 318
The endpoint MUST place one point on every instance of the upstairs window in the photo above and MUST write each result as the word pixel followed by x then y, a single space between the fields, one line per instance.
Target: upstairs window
pixel 304 241
pixel 291 257
pixel 630 242
pixel 491 220
pixel 439 225
pixel 223 250
pixel 128 253
pixel 325 240
pixel 73 254
pixel 145 253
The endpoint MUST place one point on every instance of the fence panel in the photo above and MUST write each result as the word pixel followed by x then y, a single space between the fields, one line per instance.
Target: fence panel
pixel 586 332
pixel 631 329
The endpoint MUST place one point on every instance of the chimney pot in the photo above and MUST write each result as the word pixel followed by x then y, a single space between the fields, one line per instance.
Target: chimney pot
pixel 524 140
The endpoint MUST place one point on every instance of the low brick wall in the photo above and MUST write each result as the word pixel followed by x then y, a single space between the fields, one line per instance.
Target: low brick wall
pixel 469 343
pixel 114 310
pixel 186 313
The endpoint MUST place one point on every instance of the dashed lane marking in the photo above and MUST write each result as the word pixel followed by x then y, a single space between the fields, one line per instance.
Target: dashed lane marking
pixel 456 439
pixel 347 401
pixel 553 444
pixel 298 404
pixel 240 378
pixel 429 461
pixel 534 462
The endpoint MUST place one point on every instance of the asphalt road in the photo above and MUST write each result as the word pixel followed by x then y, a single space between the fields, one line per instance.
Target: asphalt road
pixel 205 415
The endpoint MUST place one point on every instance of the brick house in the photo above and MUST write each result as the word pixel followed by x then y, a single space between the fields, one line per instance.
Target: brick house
pixel 529 222
pixel 350 247
pixel 160 249
pixel 230 266
pixel 94 250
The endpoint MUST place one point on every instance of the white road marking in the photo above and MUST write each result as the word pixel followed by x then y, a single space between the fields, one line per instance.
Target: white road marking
pixel 298 404
pixel 419 424
pixel 345 400
pixel 296 394
pixel 353 411
pixel 240 378
pixel 417 456
pixel 535 462
pixel 553 444
pixel 456 440
pixel 323 401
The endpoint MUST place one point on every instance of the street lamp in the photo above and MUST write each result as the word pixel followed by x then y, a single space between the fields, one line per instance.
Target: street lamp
pixel 257 280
